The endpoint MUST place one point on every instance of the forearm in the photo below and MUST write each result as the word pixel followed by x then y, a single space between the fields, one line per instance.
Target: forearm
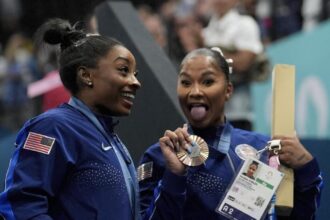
pixel 308 187
pixel 168 198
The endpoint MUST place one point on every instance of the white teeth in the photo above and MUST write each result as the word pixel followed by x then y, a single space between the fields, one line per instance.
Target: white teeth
pixel 128 95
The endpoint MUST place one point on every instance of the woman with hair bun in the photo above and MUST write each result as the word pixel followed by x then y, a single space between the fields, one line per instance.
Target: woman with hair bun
pixel 69 163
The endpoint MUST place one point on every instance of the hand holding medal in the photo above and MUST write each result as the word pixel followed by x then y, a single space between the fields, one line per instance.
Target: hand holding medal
pixel 181 150
pixel 196 154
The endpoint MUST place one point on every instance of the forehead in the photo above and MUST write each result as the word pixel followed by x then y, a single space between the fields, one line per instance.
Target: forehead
pixel 199 63
pixel 119 52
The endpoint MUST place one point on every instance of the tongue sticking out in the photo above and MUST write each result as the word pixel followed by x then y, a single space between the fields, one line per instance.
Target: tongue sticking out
pixel 198 112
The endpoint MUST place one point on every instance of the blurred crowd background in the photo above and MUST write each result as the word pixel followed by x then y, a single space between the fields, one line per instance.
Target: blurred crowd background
pixel 176 26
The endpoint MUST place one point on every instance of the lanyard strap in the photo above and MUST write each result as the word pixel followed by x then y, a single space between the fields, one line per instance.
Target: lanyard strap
pixel 124 158
pixel 224 142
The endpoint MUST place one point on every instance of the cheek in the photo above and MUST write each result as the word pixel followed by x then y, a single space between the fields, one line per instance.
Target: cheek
pixel 181 93
pixel 107 90
pixel 220 95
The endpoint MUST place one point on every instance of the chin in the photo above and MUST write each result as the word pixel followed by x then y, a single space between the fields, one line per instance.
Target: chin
pixel 121 114
pixel 199 124
pixel 125 112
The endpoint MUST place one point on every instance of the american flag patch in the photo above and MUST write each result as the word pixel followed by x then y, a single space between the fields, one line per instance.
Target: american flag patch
pixel 144 171
pixel 39 143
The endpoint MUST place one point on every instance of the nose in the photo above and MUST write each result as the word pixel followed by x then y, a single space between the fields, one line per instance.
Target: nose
pixel 135 82
pixel 196 91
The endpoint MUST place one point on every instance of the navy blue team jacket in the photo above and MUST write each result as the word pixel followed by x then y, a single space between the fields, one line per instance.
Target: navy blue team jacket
pixel 66 170
pixel 196 196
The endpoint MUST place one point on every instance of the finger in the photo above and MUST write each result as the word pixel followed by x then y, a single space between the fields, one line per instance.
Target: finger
pixel 186 133
pixel 183 139
pixel 284 159
pixel 181 136
pixel 173 138
pixel 165 142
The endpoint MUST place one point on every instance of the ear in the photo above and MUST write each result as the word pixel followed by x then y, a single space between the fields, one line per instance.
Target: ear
pixel 229 90
pixel 85 76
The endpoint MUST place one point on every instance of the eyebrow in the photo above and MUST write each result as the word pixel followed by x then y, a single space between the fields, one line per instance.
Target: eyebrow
pixel 122 58
pixel 206 73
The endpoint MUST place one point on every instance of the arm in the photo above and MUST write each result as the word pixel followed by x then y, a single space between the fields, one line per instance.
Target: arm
pixel 32 178
pixel 307 191
pixel 162 195
pixel 308 180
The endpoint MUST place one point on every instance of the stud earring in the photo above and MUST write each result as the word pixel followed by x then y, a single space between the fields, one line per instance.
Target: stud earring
pixel 89 83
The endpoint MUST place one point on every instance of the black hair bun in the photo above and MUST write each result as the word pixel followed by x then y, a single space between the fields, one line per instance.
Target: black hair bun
pixel 54 30
pixel 58 31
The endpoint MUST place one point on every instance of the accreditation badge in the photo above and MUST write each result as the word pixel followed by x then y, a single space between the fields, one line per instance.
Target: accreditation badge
pixel 251 191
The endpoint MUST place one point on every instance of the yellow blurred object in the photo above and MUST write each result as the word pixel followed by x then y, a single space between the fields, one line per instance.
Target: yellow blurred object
pixel 283 111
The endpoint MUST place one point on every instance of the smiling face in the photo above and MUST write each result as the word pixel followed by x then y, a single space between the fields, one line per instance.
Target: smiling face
pixel 114 83
pixel 202 91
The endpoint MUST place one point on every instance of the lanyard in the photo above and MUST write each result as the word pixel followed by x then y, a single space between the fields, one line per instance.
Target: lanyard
pixel 123 157
pixel 223 144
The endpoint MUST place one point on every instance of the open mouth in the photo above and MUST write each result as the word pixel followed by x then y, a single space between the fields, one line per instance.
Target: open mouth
pixel 128 95
pixel 128 98
pixel 198 111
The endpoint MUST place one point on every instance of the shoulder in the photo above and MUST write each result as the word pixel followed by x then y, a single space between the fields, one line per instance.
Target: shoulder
pixel 60 116
pixel 54 123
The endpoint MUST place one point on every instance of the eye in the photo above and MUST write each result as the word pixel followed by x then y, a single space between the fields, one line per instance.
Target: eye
pixel 208 82
pixel 185 82
pixel 124 70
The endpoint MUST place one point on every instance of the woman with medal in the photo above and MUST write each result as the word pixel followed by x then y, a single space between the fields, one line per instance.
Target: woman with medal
pixel 179 182
pixel 69 162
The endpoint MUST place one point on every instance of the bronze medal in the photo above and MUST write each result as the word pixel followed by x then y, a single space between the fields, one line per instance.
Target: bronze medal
pixel 197 153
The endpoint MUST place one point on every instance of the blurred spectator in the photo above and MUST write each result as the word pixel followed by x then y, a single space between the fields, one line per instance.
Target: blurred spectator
pixel 188 28
pixel 203 10
pixel 10 13
pixel 154 25
pixel 19 72
pixel 186 35
pixel 325 10
pixel 248 7
pixel 55 96
pixel 280 18
pixel 311 12
pixel 50 86
pixel 239 38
